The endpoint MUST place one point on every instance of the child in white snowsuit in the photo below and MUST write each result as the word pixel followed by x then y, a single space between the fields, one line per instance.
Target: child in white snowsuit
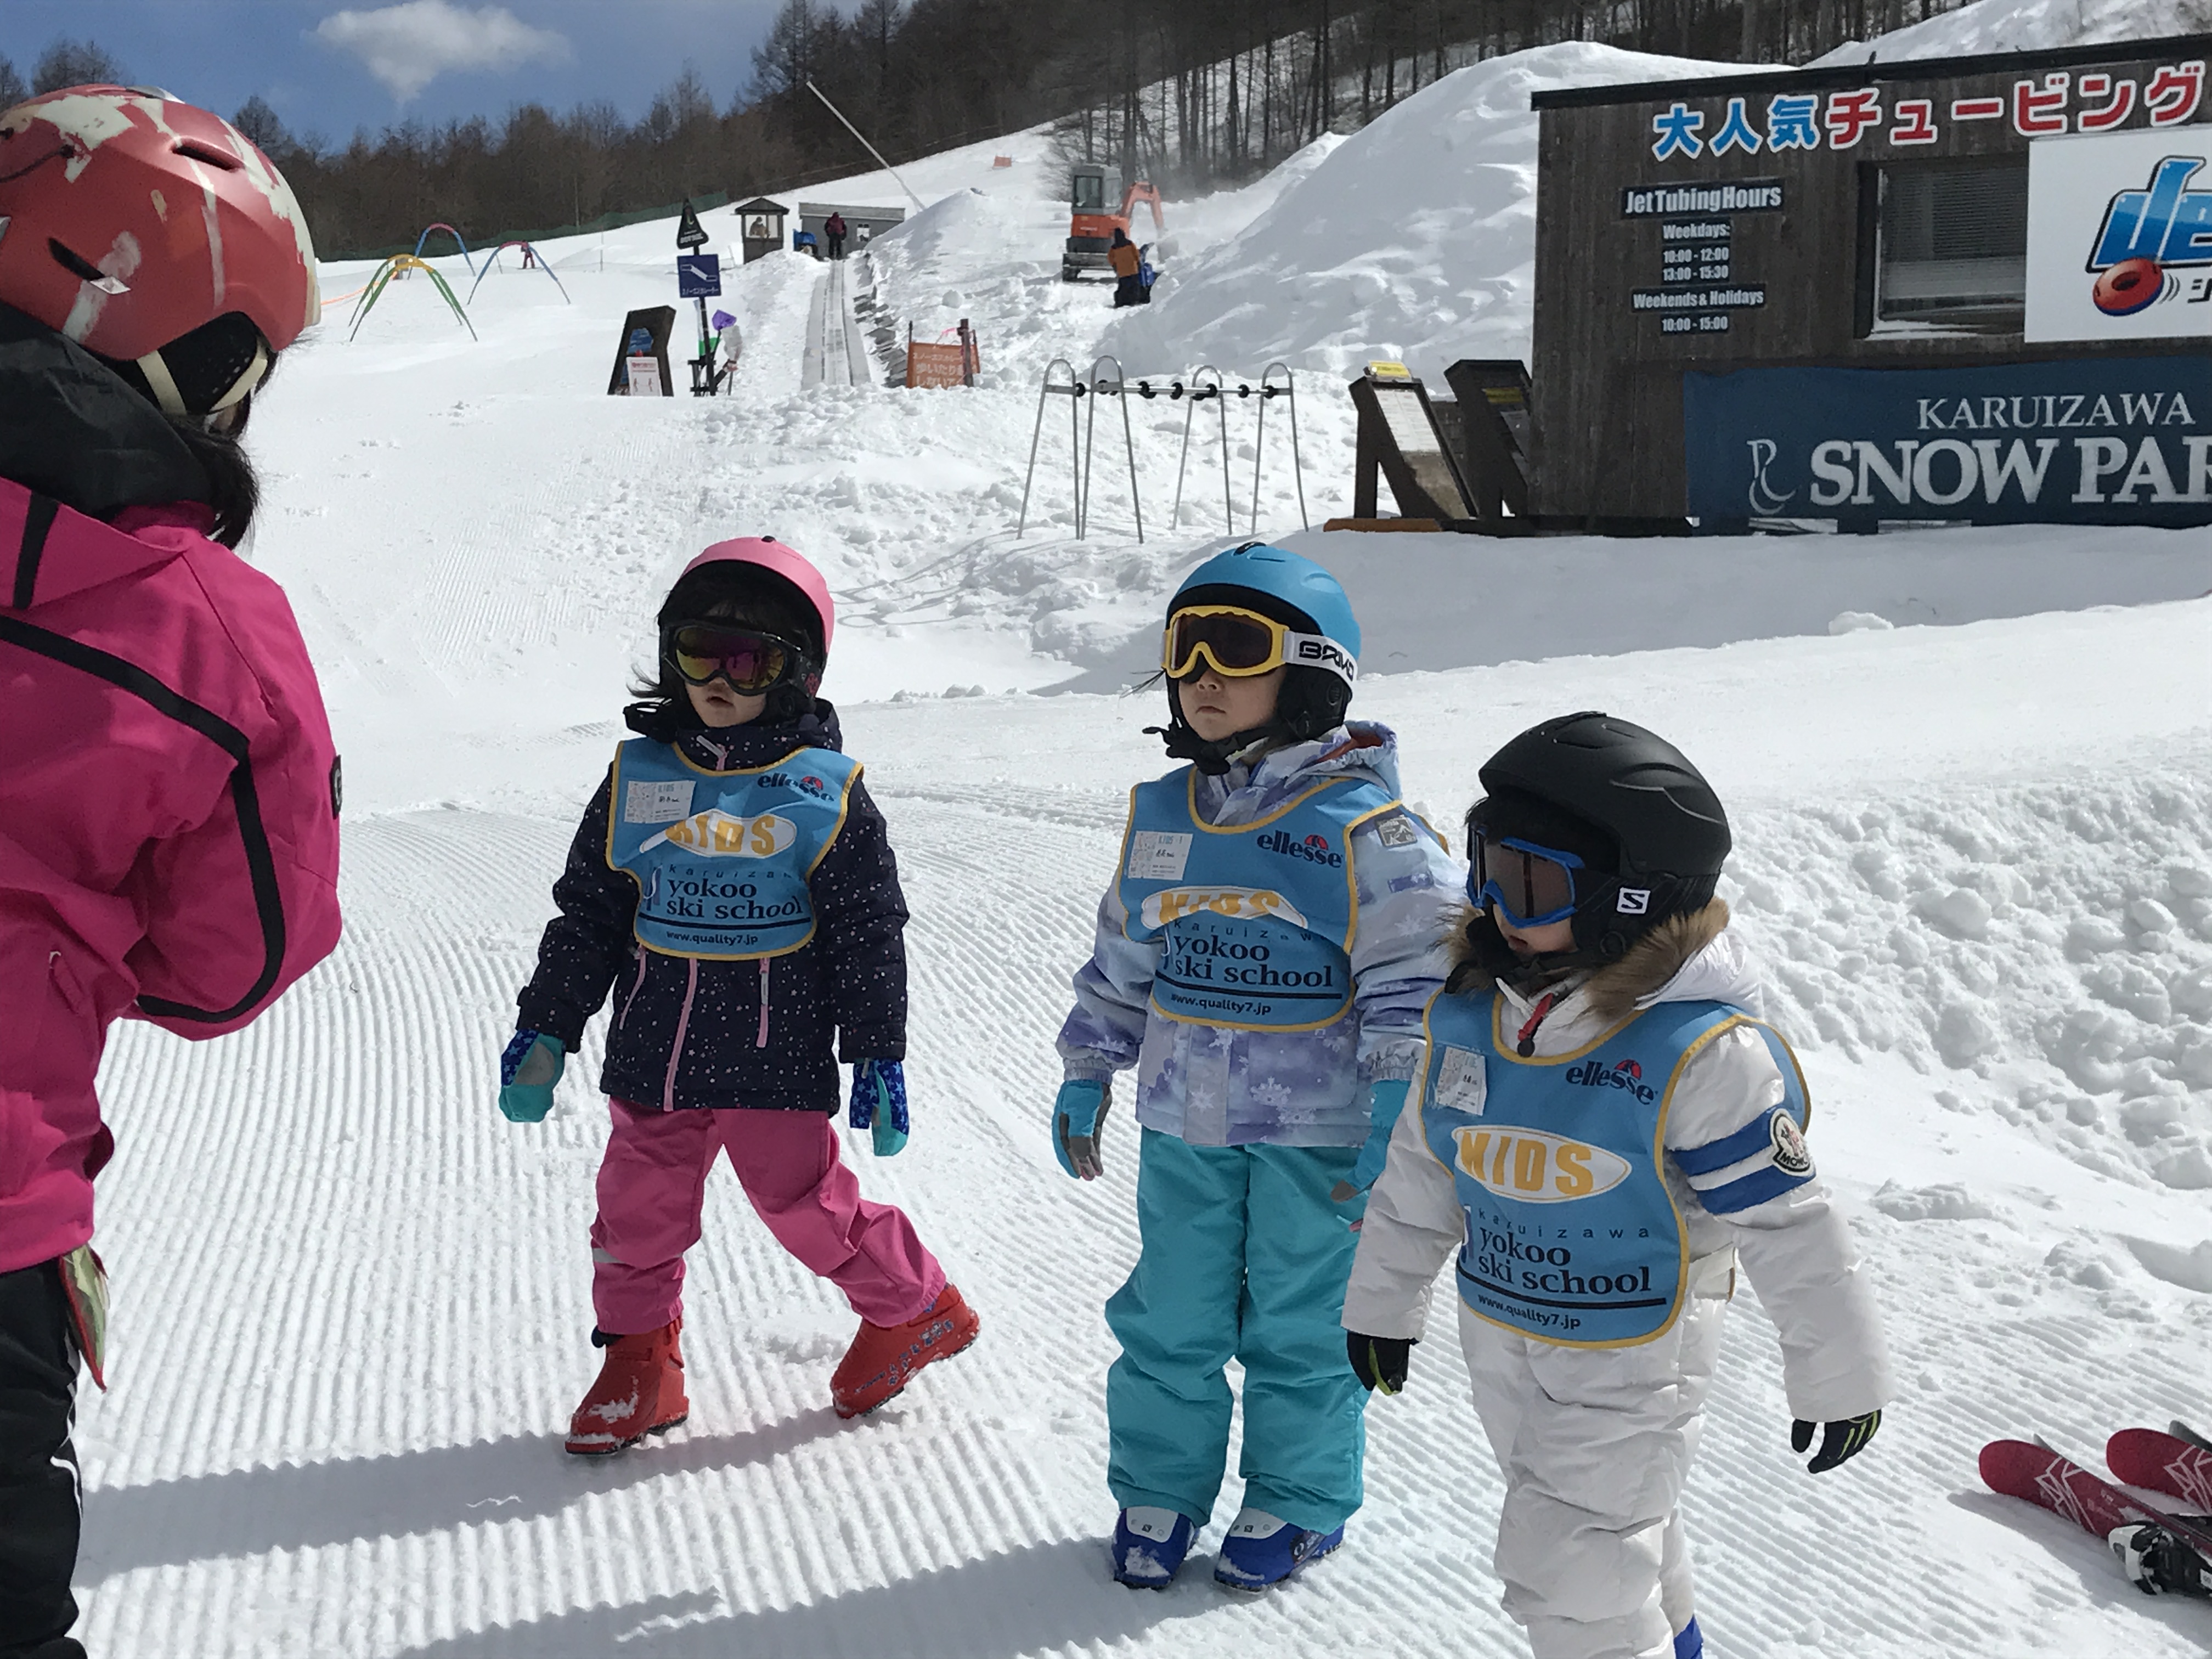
pixel 1603 1132
pixel 1273 932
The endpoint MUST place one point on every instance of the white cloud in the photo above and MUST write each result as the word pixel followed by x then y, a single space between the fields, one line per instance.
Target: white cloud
pixel 408 46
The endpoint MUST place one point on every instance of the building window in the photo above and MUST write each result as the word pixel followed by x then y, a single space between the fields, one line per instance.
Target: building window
pixel 1949 247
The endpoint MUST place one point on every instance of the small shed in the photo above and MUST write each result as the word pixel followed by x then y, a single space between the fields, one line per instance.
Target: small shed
pixel 1975 287
pixel 760 227
pixel 861 223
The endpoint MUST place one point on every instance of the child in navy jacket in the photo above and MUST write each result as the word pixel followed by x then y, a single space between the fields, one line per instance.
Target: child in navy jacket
pixel 733 886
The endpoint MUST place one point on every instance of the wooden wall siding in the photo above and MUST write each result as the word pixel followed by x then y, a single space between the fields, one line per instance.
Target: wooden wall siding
pixel 1606 402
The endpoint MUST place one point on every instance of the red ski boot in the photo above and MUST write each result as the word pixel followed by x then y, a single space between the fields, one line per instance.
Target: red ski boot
pixel 640 1392
pixel 884 1358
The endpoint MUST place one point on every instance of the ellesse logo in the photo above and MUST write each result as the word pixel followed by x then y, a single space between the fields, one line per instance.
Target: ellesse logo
pixel 716 833
pixel 1239 903
pixel 1537 1168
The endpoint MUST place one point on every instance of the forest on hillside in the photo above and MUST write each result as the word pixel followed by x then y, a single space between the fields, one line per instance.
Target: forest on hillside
pixel 1191 93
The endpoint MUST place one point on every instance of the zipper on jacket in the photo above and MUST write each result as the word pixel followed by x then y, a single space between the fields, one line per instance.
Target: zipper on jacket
pixel 636 986
pixel 676 1048
pixel 761 1040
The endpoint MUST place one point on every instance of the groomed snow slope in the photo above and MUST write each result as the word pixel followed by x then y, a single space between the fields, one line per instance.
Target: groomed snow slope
pixel 351 1300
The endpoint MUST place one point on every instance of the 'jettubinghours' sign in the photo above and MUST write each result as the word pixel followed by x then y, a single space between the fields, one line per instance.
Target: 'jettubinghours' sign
pixel 2084 440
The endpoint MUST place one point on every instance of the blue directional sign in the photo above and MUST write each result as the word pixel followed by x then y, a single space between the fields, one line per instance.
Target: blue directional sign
pixel 698 275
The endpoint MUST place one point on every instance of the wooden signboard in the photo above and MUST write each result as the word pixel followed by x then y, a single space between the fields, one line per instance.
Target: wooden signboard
pixel 950 363
pixel 1493 396
pixel 1399 437
pixel 644 334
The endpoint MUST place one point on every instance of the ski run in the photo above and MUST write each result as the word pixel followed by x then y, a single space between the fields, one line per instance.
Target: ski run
pixel 1970 773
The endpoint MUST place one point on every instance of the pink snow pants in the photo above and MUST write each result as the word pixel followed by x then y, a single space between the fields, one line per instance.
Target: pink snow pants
pixel 654 1180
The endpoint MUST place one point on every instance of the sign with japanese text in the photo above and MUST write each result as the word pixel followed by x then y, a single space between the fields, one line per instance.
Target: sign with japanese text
pixel 2119 236
pixel 1713 129
pixel 2081 440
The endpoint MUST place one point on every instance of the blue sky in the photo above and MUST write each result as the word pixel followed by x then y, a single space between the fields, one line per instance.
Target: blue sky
pixel 330 66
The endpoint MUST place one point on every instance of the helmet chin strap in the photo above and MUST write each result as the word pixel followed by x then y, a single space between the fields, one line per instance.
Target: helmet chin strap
pixel 1213 757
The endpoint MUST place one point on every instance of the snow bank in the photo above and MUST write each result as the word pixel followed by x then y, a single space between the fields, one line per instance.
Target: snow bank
pixel 2027 26
pixel 2045 951
pixel 1413 238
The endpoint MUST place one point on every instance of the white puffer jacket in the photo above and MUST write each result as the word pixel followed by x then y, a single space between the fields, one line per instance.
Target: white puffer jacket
pixel 1795 1248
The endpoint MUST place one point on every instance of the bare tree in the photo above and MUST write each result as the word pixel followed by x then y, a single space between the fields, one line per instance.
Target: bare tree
pixel 73 63
pixel 12 89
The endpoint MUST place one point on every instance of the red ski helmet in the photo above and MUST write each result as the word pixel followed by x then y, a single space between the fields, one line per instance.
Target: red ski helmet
pixel 130 219
pixel 778 560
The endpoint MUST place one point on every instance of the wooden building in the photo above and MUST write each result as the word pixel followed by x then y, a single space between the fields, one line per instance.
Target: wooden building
pixel 1754 290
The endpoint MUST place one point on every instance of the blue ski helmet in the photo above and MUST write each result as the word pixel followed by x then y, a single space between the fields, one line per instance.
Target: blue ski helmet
pixel 1288 579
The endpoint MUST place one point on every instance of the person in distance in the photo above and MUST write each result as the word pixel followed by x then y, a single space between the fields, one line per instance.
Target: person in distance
pixel 1274 929
pixel 1603 1131
pixel 733 886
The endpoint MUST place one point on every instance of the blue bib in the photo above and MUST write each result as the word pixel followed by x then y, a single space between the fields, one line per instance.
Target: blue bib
pixel 1571 1235
pixel 1258 918
pixel 721 859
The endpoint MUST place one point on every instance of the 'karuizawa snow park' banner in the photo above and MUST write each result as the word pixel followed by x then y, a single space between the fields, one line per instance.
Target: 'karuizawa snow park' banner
pixel 2081 441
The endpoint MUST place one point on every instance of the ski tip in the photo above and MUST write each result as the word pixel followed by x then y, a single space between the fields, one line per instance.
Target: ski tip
pixel 2001 1463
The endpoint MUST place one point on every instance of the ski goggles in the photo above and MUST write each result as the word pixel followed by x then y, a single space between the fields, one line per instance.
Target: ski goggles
pixel 1530 886
pixel 751 661
pixel 1238 642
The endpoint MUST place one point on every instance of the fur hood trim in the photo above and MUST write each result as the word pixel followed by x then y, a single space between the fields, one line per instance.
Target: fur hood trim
pixel 1617 989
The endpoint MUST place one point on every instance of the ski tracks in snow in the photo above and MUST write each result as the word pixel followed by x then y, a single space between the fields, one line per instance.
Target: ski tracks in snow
pixel 353 1303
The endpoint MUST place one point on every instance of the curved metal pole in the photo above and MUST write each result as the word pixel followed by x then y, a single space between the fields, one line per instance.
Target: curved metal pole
pixel 1090 426
pixel 1297 463
pixel 1197 395
pixel 1268 389
pixel 1045 391
pixel 1128 435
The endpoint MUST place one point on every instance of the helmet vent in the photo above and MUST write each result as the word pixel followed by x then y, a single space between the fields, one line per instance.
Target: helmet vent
pixel 193 150
pixel 84 270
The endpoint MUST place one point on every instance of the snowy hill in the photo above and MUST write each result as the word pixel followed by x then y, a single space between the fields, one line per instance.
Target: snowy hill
pixel 1974 853
pixel 2027 26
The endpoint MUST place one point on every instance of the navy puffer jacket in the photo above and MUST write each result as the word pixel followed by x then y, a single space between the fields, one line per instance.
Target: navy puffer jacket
pixel 848 983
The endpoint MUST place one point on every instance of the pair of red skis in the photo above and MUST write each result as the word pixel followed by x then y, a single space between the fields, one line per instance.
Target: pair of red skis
pixel 2177 1464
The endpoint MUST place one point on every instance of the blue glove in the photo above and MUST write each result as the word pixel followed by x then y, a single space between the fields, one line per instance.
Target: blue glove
pixel 528 1070
pixel 1077 1114
pixel 879 1102
pixel 1386 1101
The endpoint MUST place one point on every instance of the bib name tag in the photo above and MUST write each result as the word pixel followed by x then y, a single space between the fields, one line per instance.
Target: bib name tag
pixel 651 801
pixel 1461 1082
pixel 1158 855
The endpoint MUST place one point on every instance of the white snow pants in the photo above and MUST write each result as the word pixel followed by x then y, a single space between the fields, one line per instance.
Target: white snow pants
pixel 1595 1445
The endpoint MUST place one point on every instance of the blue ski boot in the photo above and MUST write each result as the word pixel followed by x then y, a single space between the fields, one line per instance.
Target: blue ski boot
pixel 1263 1549
pixel 1690 1642
pixel 1149 1545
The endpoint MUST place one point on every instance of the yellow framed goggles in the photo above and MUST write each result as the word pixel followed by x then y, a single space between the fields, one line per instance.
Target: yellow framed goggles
pixel 1238 642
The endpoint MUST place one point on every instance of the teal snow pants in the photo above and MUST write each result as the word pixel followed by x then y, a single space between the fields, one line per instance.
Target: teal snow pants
pixel 1245 1256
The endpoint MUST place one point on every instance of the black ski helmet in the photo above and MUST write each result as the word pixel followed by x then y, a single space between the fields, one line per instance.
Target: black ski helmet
pixel 1661 833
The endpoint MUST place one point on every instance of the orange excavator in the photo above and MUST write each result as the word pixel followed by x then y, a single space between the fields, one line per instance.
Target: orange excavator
pixel 1092 221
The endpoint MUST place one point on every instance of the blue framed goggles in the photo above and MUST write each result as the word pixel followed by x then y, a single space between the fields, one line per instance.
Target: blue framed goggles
pixel 1529 885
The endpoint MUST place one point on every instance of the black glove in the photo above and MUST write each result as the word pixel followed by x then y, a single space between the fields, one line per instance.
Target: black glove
pixel 1379 1361
pixel 2158 1564
pixel 1840 1441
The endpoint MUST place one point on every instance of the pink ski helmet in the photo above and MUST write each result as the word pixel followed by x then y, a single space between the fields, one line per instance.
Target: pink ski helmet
pixel 778 560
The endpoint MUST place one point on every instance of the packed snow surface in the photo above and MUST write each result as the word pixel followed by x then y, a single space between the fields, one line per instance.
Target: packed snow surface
pixel 1974 852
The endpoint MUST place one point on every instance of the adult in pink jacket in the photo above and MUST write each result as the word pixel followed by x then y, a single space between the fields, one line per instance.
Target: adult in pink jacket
pixel 169 791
